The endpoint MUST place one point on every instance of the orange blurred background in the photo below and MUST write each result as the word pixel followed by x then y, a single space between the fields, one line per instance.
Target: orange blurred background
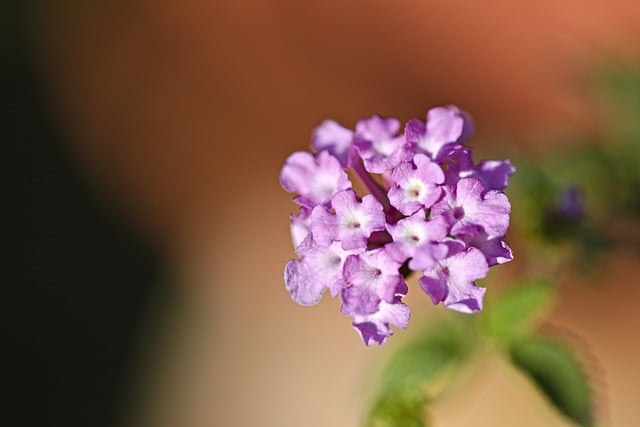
pixel 181 114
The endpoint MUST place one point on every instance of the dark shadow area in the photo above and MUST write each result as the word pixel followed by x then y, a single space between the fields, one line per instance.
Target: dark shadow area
pixel 77 282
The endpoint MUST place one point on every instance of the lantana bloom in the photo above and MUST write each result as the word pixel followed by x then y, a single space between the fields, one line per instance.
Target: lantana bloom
pixel 430 210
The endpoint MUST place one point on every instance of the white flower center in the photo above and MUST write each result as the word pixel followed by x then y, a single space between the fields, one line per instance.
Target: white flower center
pixel 412 235
pixel 354 220
pixel 414 190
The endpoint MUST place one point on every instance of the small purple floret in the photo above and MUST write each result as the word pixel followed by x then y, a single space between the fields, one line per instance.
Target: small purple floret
pixel 495 250
pixel 452 281
pixel 378 144
pixel 335 139
pixel 416 187
pixel 300 226
pixel 320 268
pixel 416 235
pixel 373 295
pixel 316 179
pixel 570 203
pixel 349 221
pixel 467 210
pixel 494 174
pixel 444 125
pixel 374 328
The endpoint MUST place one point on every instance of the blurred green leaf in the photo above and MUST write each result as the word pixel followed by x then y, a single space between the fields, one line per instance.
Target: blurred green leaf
pixel 516 312
pixel 428 357
pixel 417 373
pixel 404 409
pixel 558 374
pixel 620 88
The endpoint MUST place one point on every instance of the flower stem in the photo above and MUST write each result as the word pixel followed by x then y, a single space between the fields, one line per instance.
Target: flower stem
pixel 391 213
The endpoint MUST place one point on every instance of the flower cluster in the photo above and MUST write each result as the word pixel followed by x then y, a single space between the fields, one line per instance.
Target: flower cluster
pixel 431 209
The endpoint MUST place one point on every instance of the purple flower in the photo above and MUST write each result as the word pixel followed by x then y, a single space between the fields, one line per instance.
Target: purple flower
pixel 452 279
pixel 316 179
pixel 376 273
pixel 351 221
pixel 495 250
pixel 570 203
pixel 334 138
pixel 494 174
pixel 415 187
pixel 431 210
pixel 465 208
pixel 444 125
pixel 425 256
pixel 375 289
pixel 300 226
pixel 374 328
pixel 319 269
pixel 457 162
pixel 416 234
pixel 377 144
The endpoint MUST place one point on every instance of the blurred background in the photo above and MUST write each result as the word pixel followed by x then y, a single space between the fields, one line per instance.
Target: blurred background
pixel 148 231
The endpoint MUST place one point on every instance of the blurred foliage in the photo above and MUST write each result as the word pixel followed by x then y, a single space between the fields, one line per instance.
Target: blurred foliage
pixel 405 408
pixel 585 195
pixel 559 376
pixel 428 357
pixel 516 312
pixel 417 375
pixel 584 198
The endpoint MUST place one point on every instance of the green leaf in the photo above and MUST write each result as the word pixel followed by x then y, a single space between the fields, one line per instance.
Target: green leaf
pixel 427 358
pixel 405 409
pixel 417 373
pixel 559 376
pixel 516 312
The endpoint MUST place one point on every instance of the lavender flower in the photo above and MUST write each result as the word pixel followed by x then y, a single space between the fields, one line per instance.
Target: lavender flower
pixel 377 144
pixel 431 209
pixel 320 268
pixel 316 179
pixel 570 203
pixel 444 125
pixel 458 163
pixel 335 139
pixel 414 235
pixel 416 184
pixel 451 280
pixel 351 222
pixel 467 210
